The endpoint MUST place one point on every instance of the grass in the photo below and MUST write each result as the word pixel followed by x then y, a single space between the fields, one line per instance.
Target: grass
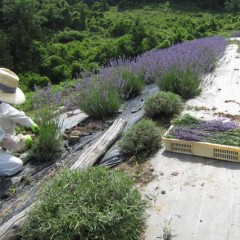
pixel 90 204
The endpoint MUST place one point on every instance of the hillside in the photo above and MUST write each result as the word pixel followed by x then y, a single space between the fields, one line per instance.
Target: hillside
pixel 55 41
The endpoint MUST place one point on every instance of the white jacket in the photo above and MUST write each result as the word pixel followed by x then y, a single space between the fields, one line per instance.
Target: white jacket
pixel 9 116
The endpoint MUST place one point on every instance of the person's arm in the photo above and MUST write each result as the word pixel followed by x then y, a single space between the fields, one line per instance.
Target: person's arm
pixel 17 116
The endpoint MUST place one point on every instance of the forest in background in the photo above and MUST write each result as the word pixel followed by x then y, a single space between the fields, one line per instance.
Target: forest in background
pixel 53 41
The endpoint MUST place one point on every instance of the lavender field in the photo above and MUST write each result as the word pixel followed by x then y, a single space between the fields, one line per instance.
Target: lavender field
pixel 178 69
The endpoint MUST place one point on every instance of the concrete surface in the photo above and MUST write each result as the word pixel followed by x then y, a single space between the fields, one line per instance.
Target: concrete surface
pixel 199 198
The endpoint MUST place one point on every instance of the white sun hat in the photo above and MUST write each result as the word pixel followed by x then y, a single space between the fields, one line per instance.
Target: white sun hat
pixel 9 91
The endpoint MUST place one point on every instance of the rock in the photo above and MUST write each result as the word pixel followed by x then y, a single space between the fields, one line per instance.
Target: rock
pixel 76 133
pixel 65 136
pixel 163 192
pixel 73 139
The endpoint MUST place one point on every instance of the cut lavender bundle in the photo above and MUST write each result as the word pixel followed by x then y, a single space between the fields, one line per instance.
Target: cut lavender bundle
pixel 187 134
pixel 217 125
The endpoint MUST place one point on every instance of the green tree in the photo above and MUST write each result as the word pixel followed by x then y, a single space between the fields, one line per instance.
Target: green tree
pixel 23 24
pixel 233 5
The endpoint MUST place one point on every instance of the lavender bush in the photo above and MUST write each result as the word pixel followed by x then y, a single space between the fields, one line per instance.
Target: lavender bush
pixel 142 139
pixel 48 145
pixel 100 95
pixel 177 69
pixel 184 82
pixel 201 55
pixel 163 104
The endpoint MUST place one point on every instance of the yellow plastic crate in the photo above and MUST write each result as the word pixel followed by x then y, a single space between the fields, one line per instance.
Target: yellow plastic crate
pixel 203 149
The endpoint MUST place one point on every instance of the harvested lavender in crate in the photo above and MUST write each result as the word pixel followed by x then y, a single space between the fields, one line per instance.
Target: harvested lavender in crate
pixel 218 131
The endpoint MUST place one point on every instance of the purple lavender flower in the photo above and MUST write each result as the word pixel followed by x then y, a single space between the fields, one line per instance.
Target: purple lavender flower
pixel 216 125
pixel 187 134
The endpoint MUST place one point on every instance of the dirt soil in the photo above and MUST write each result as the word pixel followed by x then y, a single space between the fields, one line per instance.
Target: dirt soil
pixel 142 173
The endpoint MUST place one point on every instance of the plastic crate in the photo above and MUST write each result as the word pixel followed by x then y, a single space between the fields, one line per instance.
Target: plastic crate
pixel 203 149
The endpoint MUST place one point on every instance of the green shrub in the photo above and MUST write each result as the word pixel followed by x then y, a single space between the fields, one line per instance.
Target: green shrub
pixel 142 139
pixel 30 79
pixel 133 83
pixel 99 98
pixel 90 204
pixel 48 145
pixel 185 83
pixel 163 104
pixel 69 35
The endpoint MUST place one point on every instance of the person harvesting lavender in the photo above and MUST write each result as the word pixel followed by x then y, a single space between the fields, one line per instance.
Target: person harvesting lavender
pixel 11 94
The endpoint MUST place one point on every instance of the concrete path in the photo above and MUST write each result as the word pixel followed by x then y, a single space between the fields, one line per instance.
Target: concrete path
pixel 221 90
pixel 199 198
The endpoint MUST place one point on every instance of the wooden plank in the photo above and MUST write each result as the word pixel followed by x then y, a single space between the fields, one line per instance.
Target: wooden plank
pixel 10 229
pixel 95 151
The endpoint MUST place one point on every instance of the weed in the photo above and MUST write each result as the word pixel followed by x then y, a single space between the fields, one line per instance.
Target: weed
pixel 167 232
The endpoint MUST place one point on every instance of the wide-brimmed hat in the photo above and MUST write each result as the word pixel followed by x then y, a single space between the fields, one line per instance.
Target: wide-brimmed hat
pixel 9 91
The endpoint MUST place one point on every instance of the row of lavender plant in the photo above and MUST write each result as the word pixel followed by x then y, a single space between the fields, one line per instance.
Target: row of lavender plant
pixel 100 95
pixel 200 54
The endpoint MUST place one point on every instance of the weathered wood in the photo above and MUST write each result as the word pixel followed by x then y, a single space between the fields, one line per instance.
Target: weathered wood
pixel 9 230
pixel 95 151
pixel 69 120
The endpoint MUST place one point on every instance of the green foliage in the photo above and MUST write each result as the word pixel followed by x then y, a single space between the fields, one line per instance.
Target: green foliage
pixel 233 5
pixel 133 82
pixel 163 104
pixel 142 139
pixel 99 99
pixel 90 204
pixel 29 80
pixel 185 120
pixel 229 138
pixel 185 83
pixel 120 27
pixel 125 46
pixel 69 35
pixel 48 145
pixel 80 33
